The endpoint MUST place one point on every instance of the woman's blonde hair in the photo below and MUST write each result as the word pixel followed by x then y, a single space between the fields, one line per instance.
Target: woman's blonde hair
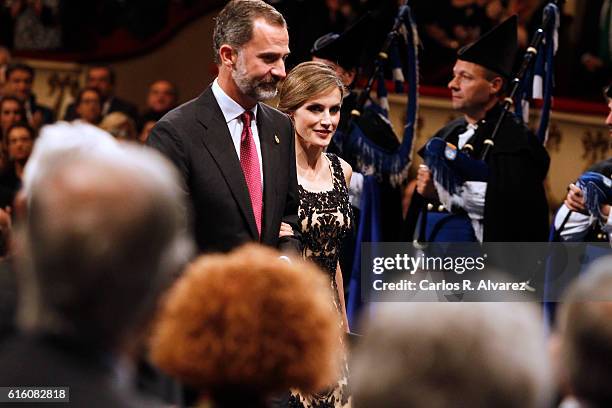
pixel 113 122
pixel 306 81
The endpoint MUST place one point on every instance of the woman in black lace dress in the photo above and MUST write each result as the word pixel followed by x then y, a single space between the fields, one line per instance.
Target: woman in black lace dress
pixel 312 95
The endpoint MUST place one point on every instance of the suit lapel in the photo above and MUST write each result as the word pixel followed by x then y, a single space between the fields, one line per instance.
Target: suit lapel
pixel 270 157
pixel 218 142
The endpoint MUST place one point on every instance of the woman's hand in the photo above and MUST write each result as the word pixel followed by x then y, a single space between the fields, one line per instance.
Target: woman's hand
pixel 285 230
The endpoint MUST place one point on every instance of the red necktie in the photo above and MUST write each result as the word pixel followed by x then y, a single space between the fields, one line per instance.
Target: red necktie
pixel 250 167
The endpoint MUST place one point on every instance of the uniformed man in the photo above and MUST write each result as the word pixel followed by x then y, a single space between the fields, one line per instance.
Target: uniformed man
pixel 573 221
pixel 508 203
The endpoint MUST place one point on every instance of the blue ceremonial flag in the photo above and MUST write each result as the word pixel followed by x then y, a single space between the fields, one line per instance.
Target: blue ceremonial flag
pixel 369 231
pixel 377 164
pixel 539 81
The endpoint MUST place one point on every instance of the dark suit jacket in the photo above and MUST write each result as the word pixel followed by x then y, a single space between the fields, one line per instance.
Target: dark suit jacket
pixel 196 138
pixel 47 114
pixel 46 361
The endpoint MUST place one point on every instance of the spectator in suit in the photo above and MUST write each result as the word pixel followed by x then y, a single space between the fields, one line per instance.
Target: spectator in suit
pixel 236 155
pixel 11 112
pixel 161 98
pixel 91 267
pixel 19 143
pixel 19 81
pixel 439 355
pixel 593 59
pixel 89 106
pixel 102 78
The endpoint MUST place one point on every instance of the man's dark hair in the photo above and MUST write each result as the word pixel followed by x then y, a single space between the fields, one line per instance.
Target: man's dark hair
pixel 6 98
pixel 79 96
pixel 172 84
pixel 490 75
pixel 21 124
pixel 19 66
pixel 234 24
pixel 111 72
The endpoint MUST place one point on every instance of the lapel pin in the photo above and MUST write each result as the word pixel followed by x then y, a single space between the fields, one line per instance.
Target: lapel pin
pixel 276 139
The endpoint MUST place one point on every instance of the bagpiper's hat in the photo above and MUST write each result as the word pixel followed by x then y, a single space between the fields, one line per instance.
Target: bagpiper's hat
pixel 344 49
pixel 495 50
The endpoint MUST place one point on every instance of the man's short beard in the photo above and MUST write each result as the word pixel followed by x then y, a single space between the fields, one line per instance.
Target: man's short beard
pixel 258 89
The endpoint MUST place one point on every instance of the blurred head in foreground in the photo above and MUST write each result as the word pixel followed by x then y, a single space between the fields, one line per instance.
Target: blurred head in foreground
pixel 243 326
pixel 440 355
pixel 585 336
pixel 103 235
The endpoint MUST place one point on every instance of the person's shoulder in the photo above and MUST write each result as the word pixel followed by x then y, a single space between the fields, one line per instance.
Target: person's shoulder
pixel 346 168
pixel 280 121
pixel 514 135
pixel 177 125
pixel 450 127
pixel 183 116
pixel 43 108
pixel 517 140
pixel 123 104
pixel 48 113
pixel 516 123
pixel 273 113
pixel 603 167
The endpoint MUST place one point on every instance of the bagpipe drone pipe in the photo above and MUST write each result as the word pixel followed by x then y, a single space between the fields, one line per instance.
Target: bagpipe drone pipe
pixel 383 168
pixel 450 166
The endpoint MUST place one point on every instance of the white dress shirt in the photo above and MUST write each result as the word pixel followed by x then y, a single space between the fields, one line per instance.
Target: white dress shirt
pixel 471 194
pixel 231 112
pixel 578 225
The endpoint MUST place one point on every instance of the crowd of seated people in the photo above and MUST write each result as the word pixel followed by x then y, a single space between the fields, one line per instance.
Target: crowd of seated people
pixel 21 116
pixel 101 242
pixel 447 25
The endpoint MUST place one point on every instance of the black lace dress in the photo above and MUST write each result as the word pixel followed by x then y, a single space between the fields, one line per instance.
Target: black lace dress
pixel 325 218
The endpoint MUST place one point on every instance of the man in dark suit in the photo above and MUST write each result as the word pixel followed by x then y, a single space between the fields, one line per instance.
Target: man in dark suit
pixel 102 78
pixel 19 82
pixel 91 269
pixel 237 155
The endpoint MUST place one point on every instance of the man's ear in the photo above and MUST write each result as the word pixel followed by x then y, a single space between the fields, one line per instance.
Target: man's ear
pixel 497 85
pixel 227 55
pixel 347 76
